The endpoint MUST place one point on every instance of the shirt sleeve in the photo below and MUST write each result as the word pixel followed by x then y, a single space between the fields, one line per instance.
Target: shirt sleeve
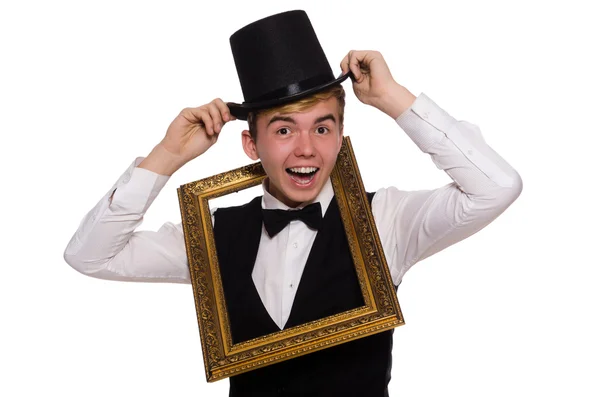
pixel 414 225
pixel 107 246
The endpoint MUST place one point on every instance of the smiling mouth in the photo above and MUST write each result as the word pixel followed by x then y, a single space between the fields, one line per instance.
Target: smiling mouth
pixel 302 175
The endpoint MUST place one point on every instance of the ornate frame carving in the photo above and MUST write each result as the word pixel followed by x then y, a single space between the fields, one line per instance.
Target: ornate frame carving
pixel 380 313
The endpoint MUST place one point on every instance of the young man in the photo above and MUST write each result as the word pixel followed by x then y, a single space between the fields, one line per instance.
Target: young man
pixel 295 115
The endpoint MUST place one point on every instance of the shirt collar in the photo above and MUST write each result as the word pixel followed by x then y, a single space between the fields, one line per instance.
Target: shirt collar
pixel 324 197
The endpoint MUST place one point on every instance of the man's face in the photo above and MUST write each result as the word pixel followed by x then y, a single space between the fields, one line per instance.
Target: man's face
pixel 297 150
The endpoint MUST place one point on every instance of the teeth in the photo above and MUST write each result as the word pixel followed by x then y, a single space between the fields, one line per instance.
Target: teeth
pixel 303 180
pixel 303 170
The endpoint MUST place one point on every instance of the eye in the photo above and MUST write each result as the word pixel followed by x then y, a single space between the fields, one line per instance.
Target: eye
pixel 322 130
pixel 283 131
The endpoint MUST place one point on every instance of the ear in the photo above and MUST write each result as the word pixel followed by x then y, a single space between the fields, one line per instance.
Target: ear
pixel 249 145
pixel 340 138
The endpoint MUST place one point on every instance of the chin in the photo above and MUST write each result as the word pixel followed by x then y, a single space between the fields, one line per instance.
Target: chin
pixel 302 197
pixel 293 196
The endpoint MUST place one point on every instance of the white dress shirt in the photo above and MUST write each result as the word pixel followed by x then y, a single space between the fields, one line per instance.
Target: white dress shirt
pixel 412 224
pixel 280 260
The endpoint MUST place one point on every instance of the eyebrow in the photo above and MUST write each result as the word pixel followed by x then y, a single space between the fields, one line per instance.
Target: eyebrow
pixel 281 118
pixel 289 119
pixel 326 117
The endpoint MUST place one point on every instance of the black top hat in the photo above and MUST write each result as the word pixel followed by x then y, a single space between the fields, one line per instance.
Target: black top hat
pixel 278 60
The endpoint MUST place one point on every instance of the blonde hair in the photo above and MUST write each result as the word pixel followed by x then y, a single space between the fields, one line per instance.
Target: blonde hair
pixel 300 105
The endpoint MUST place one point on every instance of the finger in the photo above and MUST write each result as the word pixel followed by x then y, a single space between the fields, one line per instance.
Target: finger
pixel 202 117
pixel 365 60
pixel 224 109
pixel 354 66
pixel 215 115
pixel 191 115
pixel 344 64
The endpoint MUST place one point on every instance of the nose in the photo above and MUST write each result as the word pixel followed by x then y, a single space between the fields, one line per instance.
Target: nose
pixel 304 145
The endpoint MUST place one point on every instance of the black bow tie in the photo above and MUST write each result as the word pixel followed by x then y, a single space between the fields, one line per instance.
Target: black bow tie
pixel 276 220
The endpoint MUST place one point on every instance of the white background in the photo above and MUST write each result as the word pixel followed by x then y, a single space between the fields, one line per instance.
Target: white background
pixel 86 86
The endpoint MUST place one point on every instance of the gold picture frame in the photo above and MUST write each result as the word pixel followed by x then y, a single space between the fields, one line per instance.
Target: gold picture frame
pixel 381 312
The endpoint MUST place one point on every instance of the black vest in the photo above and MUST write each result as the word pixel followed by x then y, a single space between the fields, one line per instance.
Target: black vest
pixel 328 286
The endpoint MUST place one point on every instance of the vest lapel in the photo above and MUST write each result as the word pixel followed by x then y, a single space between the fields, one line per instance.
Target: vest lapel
pixel 328 276
pixel 248 316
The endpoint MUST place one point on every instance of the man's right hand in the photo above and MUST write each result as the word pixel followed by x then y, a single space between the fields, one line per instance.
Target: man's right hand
pixel 192 133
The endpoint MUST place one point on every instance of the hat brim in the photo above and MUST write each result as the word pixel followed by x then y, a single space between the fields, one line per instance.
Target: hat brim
pixel 241 111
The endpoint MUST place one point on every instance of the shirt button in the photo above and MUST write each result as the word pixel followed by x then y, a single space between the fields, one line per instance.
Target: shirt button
pixel 426 115
pixel 470 152
pixel 291 285
pixel 295 245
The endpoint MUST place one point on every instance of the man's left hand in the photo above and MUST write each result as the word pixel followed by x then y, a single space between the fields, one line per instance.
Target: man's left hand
pixel 373 83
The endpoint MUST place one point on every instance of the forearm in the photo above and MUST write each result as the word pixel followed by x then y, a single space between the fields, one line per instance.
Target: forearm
pixel 396 100
pixel 417 224
pixel 107 245
pixel 458 148
pixel 105 230
pixel 161 161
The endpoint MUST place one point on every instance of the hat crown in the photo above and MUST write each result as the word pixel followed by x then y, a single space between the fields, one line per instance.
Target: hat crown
pixel 276 53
